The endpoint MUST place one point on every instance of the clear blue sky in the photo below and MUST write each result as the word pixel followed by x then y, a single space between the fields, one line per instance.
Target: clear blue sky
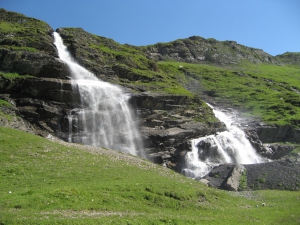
pixel 271 25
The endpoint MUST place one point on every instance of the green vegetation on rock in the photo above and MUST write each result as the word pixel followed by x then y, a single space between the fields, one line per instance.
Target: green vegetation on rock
pixel 12 76
pixel 243 181
pixel 5 103
pixel 18 32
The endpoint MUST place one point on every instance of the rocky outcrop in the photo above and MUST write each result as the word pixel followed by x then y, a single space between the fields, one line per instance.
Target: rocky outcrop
pixel 269 141
pixel 28 50
pixel 10 117
pixel 107 59
pixel 276 151
pixel 166 121
pixel 168 124
pixel 197 49
pixel 40 101
pixel 290 57
pixel 278 134
pixel 25 33
pixel 35 64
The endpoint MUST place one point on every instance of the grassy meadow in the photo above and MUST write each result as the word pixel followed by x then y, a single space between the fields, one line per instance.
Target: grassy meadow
pixel 47 182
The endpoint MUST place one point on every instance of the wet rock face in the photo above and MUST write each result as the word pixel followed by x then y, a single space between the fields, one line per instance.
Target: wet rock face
pixel 269 134
pixel 277 151
pixel 269 141
pixel 167 129
pixel 40 101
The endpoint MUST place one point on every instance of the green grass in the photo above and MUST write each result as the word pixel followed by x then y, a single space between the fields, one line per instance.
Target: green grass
pixel 295 152
pixel 47 183
pixel 20 33
pixel 243 181
pixel 17 48
pixel 270 92
pixel 12 76
pixel 5 103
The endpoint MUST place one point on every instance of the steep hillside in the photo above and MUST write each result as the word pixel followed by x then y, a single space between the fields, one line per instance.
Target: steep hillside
pixel 168 83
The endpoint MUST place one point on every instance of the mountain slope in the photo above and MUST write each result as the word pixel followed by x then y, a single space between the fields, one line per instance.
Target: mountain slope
pixel 167 81
pixel 251 81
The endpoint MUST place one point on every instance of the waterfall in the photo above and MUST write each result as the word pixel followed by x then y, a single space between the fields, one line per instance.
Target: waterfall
pixel 104 117
pixel 230 146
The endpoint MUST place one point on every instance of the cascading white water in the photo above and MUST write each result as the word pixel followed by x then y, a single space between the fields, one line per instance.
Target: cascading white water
pixel 230 146
pixel 104 116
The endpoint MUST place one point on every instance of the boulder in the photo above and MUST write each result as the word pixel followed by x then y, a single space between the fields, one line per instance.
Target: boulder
pixel 233 181
pixel 218 175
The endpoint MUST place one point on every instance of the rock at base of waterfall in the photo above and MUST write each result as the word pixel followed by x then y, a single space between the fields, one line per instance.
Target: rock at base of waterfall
pixel 218 175
pixel 204 181
pixel 226 176
pixel 233 181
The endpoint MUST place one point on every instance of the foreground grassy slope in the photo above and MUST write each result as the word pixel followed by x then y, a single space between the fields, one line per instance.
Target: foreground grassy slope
pixel 43 182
